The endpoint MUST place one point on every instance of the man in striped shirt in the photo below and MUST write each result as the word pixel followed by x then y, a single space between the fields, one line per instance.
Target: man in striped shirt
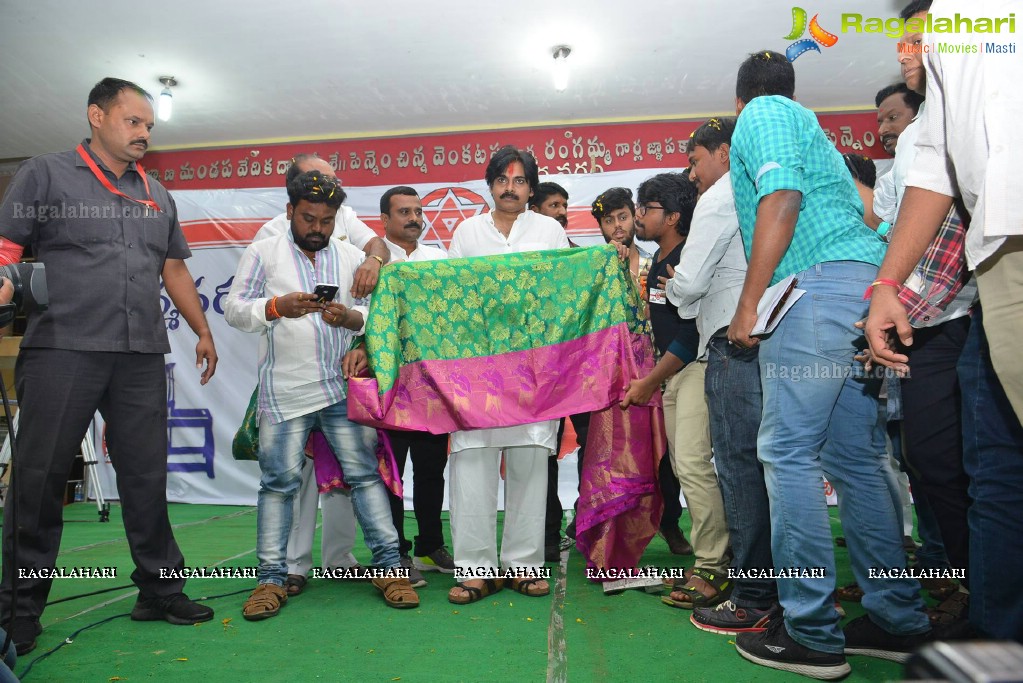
pixel 301 385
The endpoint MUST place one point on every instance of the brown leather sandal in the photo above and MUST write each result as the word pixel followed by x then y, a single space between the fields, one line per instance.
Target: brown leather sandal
pixel 398 592
pixel 264 602
pixel 490 586
pixel 526 587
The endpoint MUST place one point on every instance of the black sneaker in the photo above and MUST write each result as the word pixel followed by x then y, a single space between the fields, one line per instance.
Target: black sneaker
pixel 774 648
pixel 864 637
pixel 415 577
pixel 175 609
pixel 730 620
pixel 23 634
pixel 440 560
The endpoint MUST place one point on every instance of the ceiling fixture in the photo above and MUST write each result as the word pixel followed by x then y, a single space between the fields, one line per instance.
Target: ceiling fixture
pixel 165 104
pixel 561 53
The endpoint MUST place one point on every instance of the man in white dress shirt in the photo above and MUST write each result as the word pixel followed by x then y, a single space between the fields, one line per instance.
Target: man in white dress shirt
pixel 706 285
pixel 968 138
pixel 476 455
pixel 301 385
pixel 347 228
pixel 965 148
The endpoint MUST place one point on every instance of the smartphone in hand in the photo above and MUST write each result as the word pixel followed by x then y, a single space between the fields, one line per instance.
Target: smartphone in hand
pixel 325 292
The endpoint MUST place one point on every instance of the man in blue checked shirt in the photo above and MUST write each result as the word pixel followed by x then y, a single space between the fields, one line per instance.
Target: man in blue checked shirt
pixel 799 213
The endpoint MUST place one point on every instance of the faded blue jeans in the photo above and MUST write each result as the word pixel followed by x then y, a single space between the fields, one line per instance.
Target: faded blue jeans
pixel 10 659
pixel 281 453
pixel 820 420
pixel 734 401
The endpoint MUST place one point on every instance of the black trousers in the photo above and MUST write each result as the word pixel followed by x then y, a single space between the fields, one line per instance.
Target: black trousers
pixel 555 513
pixel 429 456
pixel 933 433
pixel 59 391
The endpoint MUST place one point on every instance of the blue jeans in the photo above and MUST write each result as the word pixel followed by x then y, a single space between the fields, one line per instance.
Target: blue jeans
pixel 734 400
pixel 993 459
pixel 821 419
pixel 281 452
pixel 10 659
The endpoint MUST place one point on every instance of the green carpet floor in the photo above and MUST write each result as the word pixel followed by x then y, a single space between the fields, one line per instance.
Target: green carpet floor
pixel 342 631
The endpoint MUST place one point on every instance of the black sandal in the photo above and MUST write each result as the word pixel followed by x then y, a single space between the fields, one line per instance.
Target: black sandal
pixel 295 584
pixel 490 586
pixel 695 598
pixel 523 585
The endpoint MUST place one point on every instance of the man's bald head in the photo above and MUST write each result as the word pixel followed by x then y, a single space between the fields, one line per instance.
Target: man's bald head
pixel 314 163
pixel 304 163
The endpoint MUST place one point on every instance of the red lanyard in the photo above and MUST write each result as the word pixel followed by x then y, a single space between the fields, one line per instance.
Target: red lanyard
pixel 102 178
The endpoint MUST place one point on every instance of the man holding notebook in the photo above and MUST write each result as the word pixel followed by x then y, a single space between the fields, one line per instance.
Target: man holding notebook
pixel 799 214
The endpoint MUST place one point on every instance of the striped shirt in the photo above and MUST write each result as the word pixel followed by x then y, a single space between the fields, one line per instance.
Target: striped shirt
pixel 779 145
pixel 299 358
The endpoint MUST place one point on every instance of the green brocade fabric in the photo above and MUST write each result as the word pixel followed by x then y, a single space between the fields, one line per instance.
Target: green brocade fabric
pixel 486 306
pixel 245 445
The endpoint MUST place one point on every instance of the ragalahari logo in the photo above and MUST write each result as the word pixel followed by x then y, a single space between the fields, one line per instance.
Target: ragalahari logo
pixel 817 35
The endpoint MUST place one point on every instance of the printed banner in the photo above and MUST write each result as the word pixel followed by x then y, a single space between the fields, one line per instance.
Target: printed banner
pixel 458 157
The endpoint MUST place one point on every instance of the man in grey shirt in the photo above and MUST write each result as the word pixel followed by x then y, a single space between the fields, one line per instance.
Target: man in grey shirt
pixel 107 234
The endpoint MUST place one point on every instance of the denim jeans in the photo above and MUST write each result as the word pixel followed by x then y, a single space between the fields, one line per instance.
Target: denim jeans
pixel 281 453
pixel 735 404
pixel 10 659
pixel 993 458
pixel 821 419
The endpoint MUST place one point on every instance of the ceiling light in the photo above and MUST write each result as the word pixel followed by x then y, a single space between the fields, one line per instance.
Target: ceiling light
pixel 561 53
pixel 165 104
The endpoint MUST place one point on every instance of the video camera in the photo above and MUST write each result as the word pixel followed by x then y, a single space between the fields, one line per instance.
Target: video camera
pixel 30 294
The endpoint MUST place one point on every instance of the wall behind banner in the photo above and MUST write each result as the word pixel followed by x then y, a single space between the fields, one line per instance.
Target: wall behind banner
pixel 221 208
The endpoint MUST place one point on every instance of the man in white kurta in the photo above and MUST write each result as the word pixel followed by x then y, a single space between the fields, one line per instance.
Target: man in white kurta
pixel 476 455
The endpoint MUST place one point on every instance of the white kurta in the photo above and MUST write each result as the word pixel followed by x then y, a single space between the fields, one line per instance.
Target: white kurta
pixel 423 252
pixel 478 236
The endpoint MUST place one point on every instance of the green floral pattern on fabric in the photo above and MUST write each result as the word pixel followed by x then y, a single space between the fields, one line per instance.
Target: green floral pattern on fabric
pixel 486 306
